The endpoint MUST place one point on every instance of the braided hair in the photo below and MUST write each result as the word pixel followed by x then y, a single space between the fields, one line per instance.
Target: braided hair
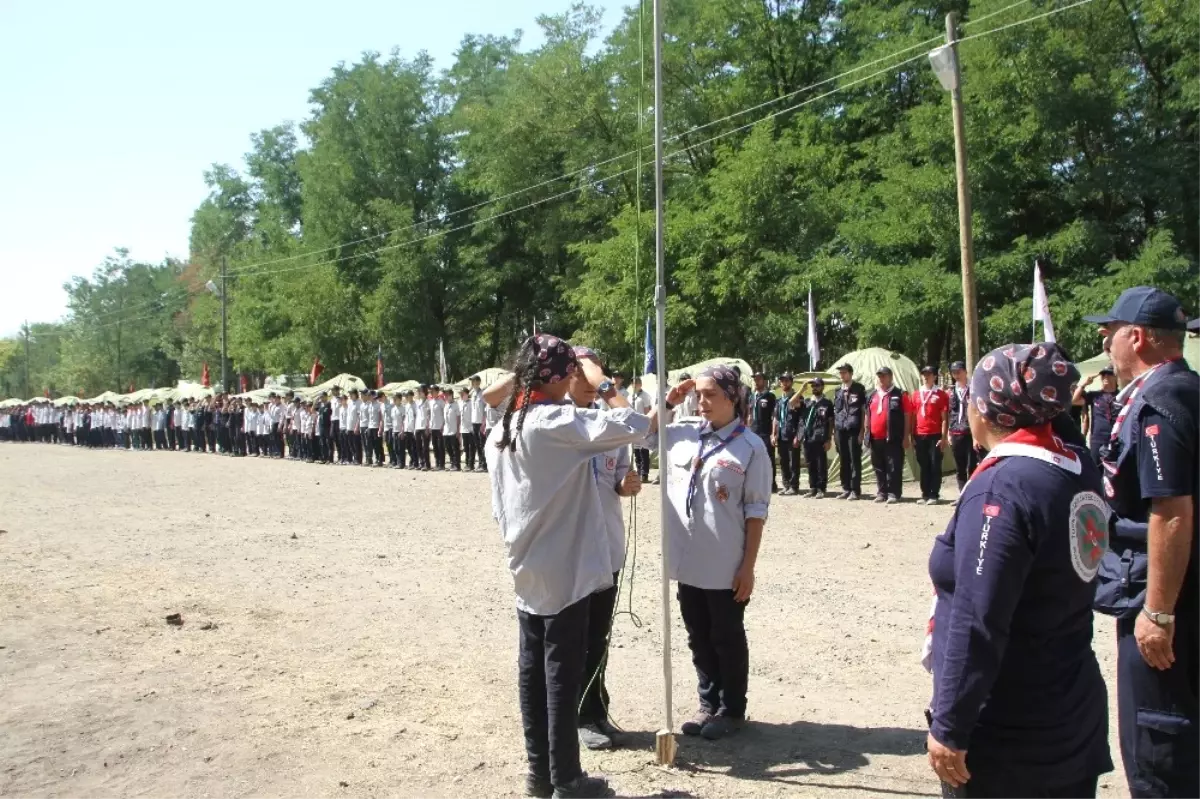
pixel 525 380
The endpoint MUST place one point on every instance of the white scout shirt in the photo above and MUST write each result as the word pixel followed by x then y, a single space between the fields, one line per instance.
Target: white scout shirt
pixel 734 484
pixel 353 414
pixel 437 414
pixel 476 405
pixel 545 498
pixel 421 412
pixel 452 424
pixel 610 469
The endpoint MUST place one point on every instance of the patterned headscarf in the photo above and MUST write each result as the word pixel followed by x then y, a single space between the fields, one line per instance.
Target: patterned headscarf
pixel 556 359
pixel 1022 385
pixel 727 381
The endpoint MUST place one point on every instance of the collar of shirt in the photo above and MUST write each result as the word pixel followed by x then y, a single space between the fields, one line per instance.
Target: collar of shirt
pixel 723 433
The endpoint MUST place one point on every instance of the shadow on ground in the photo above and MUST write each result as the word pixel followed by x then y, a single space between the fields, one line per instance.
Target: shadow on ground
pixel 795 752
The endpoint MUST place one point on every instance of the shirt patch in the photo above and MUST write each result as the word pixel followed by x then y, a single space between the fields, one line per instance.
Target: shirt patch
pixel 991 510
pixel 722 493
pixel 1152 430
pixel 1089 533
pixel 732 466
pixel 610 464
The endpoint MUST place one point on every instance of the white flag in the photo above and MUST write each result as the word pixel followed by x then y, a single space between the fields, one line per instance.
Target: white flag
pixel 442 367
pixel 814 347
pixel 1041 304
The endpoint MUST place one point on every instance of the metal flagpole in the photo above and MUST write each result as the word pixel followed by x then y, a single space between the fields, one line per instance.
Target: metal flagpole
pixel 665 740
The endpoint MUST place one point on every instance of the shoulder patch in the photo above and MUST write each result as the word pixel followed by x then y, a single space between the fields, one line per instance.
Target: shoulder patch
pixel 1089 533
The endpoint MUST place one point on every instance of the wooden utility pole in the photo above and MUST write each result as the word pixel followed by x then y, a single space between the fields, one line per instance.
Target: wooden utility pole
pixel 965 241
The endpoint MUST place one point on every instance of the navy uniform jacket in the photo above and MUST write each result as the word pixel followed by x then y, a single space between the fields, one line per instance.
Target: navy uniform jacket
pixel 1102 408
pixel 1016 682
pixel 818 420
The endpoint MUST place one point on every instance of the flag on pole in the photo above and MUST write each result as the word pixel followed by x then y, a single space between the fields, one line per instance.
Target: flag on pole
pixel 814 346
pixel 443 368
pixel 1041 304
pixel 46 393
pixel 242 383
pixel 535 326
pixel 315 373
pixel 204 376
pixel 132 387
pixel 651 364
pixel 379 367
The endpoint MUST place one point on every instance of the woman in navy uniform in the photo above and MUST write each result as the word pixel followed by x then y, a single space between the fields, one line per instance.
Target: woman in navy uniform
pixel 1019 705
pixel 1149 578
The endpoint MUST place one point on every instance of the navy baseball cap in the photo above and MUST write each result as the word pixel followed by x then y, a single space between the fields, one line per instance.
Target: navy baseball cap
pixel 883 370
pixel 958 366
pixel 817 381
pixel 1147 306
pixel 1107 370
pixel 1194 325
pixel 928 370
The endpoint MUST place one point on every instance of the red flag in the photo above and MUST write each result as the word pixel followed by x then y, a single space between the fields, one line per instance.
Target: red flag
pixel 132 388
pixel 242 383
pixel 315 374
pixel 46 393
pixel 379 367
pixel 204 376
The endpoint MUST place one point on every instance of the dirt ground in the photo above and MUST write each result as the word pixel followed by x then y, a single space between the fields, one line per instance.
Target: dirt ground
pixel 363 640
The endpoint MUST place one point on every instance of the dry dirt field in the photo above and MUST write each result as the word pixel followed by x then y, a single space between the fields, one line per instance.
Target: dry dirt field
pixel 350 633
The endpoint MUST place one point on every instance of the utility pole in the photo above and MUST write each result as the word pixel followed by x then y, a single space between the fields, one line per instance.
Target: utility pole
pixel 224 331
pixel 965 240
pixel 120 306
pixel 27 394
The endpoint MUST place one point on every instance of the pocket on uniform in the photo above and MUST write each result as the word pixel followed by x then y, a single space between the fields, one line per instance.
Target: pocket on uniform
pixel 1165 750
pixel 1121 584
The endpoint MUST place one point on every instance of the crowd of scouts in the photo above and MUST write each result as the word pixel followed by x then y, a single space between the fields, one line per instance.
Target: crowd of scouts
pixel 1054 521
pixel 428 428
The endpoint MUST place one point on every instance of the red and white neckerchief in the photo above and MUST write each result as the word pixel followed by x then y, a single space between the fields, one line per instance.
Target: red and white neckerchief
pixel 1125 398
pixel 963 393
pixel 1031 442
pixel 926 394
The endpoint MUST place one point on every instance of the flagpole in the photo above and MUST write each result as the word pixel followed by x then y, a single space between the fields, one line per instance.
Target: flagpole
pixel 665 739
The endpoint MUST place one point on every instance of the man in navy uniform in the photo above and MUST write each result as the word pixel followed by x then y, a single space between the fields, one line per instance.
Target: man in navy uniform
pixel 817 432
pixel 762 417
pixel 783 436
pixel 849 406
pixel 1101 409
pixel 962 443
pixel 1148 579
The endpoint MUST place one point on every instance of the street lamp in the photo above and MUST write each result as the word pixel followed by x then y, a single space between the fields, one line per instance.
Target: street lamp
pixel 944 61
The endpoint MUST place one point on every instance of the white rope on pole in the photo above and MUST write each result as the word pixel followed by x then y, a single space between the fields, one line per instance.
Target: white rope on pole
pixel 665 740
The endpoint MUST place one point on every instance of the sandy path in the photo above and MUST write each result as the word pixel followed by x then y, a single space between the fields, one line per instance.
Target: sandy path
pixel 365 640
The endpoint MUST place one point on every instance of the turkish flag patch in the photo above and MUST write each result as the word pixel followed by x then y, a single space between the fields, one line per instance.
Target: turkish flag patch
pixel 1152 430
pixel 991 510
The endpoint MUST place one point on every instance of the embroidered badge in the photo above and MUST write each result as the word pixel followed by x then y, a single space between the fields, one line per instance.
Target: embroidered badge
pixel 732 466
pixel 1088 527
pixel 722 493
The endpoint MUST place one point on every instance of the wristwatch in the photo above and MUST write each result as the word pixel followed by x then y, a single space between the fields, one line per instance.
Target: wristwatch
pixel 605 388
pixel 1161 619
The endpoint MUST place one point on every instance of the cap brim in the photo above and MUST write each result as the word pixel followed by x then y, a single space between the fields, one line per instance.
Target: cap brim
pixel 1100 319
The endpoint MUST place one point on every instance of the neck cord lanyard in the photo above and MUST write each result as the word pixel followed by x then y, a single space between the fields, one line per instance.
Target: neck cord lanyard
pixel 1136 386
pixel 702 456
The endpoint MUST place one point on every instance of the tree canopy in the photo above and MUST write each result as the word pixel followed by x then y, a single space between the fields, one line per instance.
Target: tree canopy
pixel 809 144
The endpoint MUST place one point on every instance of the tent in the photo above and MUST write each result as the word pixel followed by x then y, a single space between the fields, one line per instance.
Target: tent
pixel 11 403
pixel 107 396
pixel 257 395
pixel 188 391
pixel 38 401
pixel 65 401
pixel 486 377
pixel 403 385
pixel 906 376
pixel 346 382
pixel 143 395
pixel 650 381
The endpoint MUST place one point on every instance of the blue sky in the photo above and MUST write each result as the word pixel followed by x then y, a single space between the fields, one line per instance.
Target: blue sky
pixel 112 112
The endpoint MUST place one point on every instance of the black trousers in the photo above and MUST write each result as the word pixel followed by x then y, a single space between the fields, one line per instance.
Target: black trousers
pixel 421 455
pixel 439 448
pixel 1158 722
pixel 453 452
pixel 550 669
pixel 594 705
pixel 354 442
pixel 480 449
pixel 469 444
pixel 641 462
pixel 818 465
pixel 717 637
pixel 887 459
pixel 368 441
pixel 966 458
pixel 789 463
pixel 771 455
pixel 1010 785
pixel 929 464
pixel 160 439
pixel 849 449
pixel 410 446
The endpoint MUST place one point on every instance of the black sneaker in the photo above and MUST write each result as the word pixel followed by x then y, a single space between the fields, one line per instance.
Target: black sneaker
pixel 584 787
pixel 541 787
pixel 721 726
pixel 618 737
pixel 593 738
pixel 695 725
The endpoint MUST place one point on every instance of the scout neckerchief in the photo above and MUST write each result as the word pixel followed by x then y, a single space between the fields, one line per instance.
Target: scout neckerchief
pixel 702 456
pixel 963 393
pixel 811 410
pixel 1135 387
pixel 925 393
